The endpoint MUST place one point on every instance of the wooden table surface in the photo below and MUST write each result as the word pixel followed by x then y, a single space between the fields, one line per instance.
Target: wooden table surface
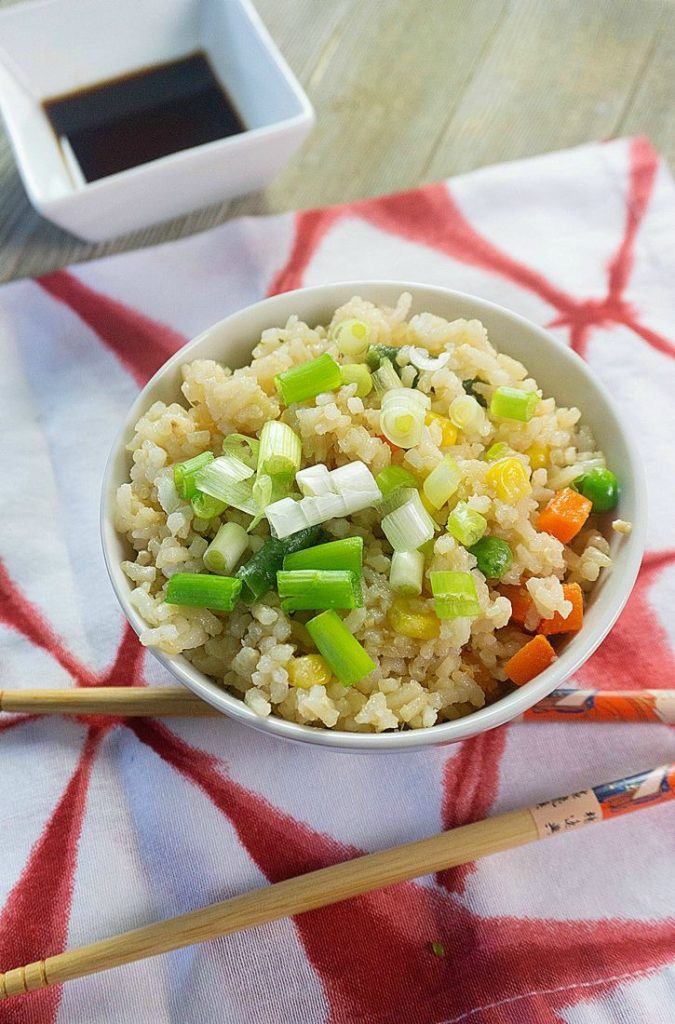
pixel 412 91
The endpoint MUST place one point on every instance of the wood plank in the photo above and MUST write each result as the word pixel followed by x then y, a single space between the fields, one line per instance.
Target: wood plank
pixel 409 92
pixel 558 74
pixel 384 95
pixel 651 107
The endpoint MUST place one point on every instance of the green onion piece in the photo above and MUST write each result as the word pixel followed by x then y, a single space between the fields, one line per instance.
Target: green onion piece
pixel 385 378
pixel 455 594
pixel 345 656
pixel 470 389
pixel 493 555
pixel 406 573
pixel 601 487
pixel 409 526
pixel 442 482
pixel 357 373
pixel 184 474
pixel 438 949
pixel 280 450
pixel 466 525
pixel 392 477
pixel 497 451
pixel 198 590
pixel 304 589
pixel 376 353
pixel 352 338
pixel 258 575
pixel 206 507
pixel 344 554
pixel 402 416
pixel 308 379
pixel 228 479
pixel 466 413
pixel 399 496
pixel 513 404
pixel 226 549
pixel 243 447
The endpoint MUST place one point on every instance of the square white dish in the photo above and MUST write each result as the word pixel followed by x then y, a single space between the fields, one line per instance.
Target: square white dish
pixel 52 47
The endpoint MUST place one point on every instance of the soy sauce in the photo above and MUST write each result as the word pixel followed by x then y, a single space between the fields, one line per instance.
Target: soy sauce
pixel 127 121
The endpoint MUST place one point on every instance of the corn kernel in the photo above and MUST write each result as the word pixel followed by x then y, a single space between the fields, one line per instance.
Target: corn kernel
pixel 509 479
pixel 310 670
pixel 448 429
pixel 538 456
pixel 404 619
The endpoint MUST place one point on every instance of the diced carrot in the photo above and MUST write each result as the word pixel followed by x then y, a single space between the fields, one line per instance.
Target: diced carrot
pixel 573 622
pixel 565 514
pixel 530 660
pixel 521 602
pixel 381 437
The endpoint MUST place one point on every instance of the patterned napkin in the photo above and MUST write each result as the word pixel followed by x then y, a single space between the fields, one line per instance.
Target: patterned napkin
pixel 108 826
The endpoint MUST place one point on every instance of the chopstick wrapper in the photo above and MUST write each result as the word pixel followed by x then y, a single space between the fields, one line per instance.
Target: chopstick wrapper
pixel 106 826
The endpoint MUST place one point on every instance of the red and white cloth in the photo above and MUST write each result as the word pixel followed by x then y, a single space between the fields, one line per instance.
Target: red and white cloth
pixel 105 826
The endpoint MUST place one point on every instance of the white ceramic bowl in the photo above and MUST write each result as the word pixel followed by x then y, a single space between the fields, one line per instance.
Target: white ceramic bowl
pixel 51 47
pixel 558 370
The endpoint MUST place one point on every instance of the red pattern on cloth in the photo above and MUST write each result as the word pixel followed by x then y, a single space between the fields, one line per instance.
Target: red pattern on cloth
pixel 370 956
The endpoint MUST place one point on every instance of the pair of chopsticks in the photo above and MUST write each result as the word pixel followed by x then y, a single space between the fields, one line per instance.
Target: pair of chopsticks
pixel 352 878
pixel 126 701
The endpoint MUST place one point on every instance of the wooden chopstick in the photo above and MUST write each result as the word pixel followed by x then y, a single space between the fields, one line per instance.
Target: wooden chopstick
pixel 349 879
pixel 560 706
pixel 108 700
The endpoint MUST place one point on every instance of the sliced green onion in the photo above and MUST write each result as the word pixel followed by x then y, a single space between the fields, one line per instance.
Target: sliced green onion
pixel 422 359
pixel 243 447
pixel 226 549
pixel 493 556
pixel 466 413
pixel 406 573
pixel 513 404
pixel 288 516
pixel 206 507
pixel 266 490
pixel 315 481
pixel 402 416
pixel 409 526
pixel 392 477
pixel 455 594
pixel 280 450
pixel 308 379
pixel 344 654
pixel 357 486
pixel 357 373
pixel 353 489
pixel 258 575
pixel 376 353
pixel 600 486
pixel 352 338
pixel 497 451
pixel 470 389
pixel 184 474
pixel 303 589
pixel 346 554
pixel 466 525
pixel 442 482
pixel 399 496
pixel 198 590
pixel 385 378
pixel 229 480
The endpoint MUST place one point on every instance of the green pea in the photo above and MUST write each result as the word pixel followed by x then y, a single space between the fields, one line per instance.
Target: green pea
pixel 601 487
pixel 493 556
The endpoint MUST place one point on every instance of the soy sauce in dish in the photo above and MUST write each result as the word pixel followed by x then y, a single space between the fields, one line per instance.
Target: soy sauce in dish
pixel 123 122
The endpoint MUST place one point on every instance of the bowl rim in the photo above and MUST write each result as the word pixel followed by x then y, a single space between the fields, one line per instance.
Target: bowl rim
pixel 502 711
